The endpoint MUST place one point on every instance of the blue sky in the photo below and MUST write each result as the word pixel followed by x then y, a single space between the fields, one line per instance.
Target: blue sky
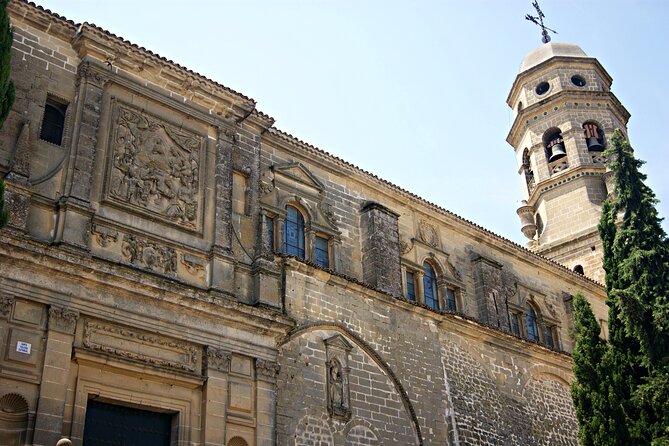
pixel 413 91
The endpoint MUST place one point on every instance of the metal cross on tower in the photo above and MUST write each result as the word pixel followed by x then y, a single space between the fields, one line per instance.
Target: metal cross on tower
pixel 539 20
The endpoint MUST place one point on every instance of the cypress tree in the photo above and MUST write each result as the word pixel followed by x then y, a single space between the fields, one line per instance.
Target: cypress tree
pixel 6 87
pixel 637 295
pixel 587 392
pixel 624 392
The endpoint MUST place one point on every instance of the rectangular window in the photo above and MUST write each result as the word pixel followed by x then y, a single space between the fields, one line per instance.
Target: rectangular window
pixel 53 121
pixel 515 326
pixel 322 252
pixel 549 337
pixel 411 291
pixel 451 303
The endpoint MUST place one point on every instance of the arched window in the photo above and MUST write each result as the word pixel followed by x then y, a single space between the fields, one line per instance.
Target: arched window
pixel 531 327
pixel 594 137
pixel 293 233
pixel 554 145
pixel 430 287
pixel 579 269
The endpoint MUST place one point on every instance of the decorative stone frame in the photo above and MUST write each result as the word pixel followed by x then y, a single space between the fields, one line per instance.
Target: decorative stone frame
pixel 337 370
pixel 292 184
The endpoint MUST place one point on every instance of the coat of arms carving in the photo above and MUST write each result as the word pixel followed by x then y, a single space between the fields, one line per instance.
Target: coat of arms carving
pixel 155 167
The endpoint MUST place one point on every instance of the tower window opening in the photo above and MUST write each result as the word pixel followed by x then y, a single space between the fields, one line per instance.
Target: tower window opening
pixel 554 144
pixel 579 270
pixel 542 88
pixel 594 137
pixel 520 106
pixel 578 80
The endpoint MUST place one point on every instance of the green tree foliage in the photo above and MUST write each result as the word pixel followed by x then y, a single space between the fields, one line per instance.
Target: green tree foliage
pixel 587 392
pixel 624 392
pixel 6 87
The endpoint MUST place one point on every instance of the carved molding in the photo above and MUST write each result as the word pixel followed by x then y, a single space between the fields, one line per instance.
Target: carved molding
pixel 62 320
pixel 267 370
pixel 104 236
pixel 101 337
pixel 155 167
pixel 6 304
pixel 218 359
pixel 91 75
pixel 193 264
pixel 147 254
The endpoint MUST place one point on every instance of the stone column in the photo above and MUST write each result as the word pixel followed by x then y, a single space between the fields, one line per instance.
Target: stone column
pixel 214 396
pixel 381 248
pixel 56 370
pixel 280 222
pixel 420 292
pixel 266 374
pixel 222 271
pixel 74 217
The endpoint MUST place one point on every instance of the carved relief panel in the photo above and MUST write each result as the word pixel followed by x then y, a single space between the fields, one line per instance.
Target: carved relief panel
pixel 155 167
pixel 149 254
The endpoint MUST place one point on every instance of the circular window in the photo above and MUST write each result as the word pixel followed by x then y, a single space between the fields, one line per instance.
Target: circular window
pixel 577 80
pixel 542 88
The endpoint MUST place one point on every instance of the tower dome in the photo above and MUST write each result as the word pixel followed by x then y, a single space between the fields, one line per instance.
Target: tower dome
pixel 548 51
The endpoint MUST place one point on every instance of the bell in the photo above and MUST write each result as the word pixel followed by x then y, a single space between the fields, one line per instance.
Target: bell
pixel 594 145
pixel 557 152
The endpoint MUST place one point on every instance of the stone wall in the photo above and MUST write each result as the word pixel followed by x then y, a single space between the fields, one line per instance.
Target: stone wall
pixel 143 265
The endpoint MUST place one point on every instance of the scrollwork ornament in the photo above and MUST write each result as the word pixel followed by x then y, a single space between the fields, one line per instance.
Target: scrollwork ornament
pixel 267 369
pixel 218 359
pixel 405 246
pixel 6 305
pixel 328 213
pixel 62 320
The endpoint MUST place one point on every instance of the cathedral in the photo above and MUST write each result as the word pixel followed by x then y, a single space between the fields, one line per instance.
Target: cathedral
pixel 177 270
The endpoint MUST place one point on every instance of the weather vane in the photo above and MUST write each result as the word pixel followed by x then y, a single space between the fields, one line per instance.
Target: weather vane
pixel 539 20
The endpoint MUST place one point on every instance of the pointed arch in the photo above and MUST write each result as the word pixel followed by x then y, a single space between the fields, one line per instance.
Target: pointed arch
pixel 378 360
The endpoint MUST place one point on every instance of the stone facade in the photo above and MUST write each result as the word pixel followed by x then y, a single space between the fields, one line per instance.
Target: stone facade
pixel 177 253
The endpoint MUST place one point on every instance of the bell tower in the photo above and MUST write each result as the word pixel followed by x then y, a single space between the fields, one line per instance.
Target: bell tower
pixel 564 112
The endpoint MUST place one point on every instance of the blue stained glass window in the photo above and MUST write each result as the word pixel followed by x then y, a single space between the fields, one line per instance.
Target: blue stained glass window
pixel 549 337
pixel 450 300
pixel 293 233
pixel 531 324
pixel 515 326
pixel 322 252
pixel 411 292
pixel 430 287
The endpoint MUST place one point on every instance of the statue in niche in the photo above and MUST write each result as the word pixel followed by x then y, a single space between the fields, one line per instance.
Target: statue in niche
pixel 155 167
pixel 338 404
pixel 336 385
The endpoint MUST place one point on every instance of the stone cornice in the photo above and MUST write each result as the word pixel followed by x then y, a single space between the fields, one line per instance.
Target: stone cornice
pixel 120 55
pixel 547 105
pixel 57 262
pixel 556 60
